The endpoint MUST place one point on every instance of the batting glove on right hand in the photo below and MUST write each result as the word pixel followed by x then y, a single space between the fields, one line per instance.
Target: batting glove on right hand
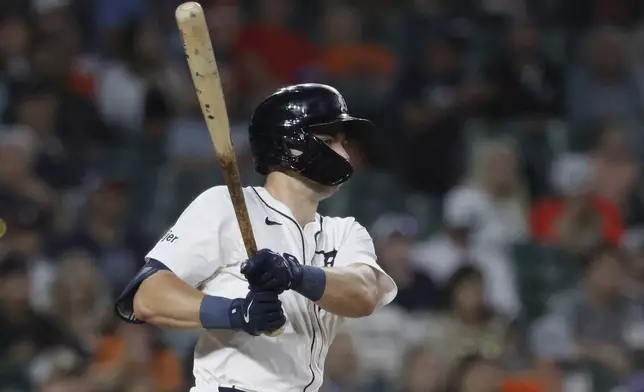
pixel 270 271
pixel 259 312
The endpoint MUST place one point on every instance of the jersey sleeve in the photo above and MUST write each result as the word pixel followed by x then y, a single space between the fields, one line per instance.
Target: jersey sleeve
pixel 358 248
pixel 190 248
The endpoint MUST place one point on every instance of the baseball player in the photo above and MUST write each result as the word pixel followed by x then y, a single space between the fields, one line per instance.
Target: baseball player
pixel 311 271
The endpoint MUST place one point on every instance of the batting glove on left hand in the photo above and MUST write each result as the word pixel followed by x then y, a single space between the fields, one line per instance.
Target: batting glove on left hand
pixel 270 271
pixel 257 313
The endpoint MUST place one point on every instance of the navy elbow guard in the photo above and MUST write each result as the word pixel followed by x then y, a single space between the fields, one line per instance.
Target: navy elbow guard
pixel 124 306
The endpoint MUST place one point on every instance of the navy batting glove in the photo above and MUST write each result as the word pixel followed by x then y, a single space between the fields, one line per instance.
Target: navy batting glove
pixel 259 312
pixel 270 271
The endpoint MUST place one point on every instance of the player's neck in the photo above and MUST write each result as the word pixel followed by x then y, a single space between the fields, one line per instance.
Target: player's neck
pixel 300 199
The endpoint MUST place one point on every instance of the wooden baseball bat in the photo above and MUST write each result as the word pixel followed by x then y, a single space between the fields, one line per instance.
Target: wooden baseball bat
pixel 205 77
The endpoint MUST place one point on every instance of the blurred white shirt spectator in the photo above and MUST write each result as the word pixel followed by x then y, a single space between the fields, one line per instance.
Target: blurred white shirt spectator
pixel 382 339
pixel 498 224
pixel 472 234
pixel 121 97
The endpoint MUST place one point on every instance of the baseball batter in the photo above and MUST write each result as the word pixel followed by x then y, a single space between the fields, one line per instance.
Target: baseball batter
pixel 311 271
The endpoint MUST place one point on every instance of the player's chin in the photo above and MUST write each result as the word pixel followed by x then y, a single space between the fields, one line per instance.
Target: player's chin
pixel 324 191
pixel 328 190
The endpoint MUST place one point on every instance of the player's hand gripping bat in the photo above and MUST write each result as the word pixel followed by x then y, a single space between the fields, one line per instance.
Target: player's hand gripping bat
pixel 205 76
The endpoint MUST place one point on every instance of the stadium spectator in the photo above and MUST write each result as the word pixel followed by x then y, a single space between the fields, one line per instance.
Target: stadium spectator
pixel 442 253
pixel 381 341
pixel 422 371
pixel 15 37
pixel 27 231
pixel 135 359
pixel 525 81
pixel 577 219
pixel 604 86
pixel 140 65
pixel 224 18
pixel 474 373
pixel 80 298
pixel 75 120
pixel 60 58
pixel 614 166
pixel 468 324
pixel 18 182
pixel 270 53
pixel 495 177
pixel 364 71
pixel 433 99
pixel 37 108
pixel 458 244
pixel 633 247
pixel 596 315
pixel 394 236
pixel 25 335
pixel 341 365
pixel 102 232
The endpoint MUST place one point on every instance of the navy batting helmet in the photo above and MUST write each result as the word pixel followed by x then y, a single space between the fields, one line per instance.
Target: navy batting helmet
pixel 285 122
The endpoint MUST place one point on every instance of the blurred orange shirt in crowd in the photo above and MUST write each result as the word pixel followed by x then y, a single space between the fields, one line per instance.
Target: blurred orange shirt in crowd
pixel 522 385
pixel 546 213
pixel 164 367
pixel 349 59
pixel 82 84
pixel 81 78
pixel 543 378
pixel 282 52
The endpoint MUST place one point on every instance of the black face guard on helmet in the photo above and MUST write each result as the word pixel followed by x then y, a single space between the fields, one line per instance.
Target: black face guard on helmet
pixel 282 127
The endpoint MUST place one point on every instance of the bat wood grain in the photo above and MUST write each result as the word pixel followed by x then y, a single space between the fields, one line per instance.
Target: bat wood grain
pixel 200 56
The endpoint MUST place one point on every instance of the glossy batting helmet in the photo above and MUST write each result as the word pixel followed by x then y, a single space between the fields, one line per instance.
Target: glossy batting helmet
pixel 285 122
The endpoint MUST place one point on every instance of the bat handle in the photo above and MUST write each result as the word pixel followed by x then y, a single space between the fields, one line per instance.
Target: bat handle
pixel 271 334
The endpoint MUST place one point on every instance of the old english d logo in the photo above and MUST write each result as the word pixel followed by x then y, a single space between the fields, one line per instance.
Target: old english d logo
pixel 329 257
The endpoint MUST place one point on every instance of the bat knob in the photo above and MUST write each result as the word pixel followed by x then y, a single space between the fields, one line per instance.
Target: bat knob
pixel 276 333
pixel 188 10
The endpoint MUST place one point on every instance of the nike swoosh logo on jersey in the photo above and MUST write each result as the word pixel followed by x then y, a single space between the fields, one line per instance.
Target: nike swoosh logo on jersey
pixel 246 318
pixel 272 223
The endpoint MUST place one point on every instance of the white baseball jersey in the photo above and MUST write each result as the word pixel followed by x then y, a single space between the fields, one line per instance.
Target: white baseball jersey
pixel 205 249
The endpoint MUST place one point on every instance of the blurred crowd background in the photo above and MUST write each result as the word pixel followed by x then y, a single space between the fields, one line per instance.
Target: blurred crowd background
pixel 503 188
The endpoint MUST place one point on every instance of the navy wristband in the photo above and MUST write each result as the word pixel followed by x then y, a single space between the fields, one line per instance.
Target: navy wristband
pixel 313 283
pixel 214 312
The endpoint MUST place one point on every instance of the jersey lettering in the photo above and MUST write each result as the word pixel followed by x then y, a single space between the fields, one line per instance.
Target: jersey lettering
pixel 169 237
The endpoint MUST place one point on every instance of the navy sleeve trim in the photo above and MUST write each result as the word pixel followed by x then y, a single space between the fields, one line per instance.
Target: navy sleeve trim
pixel 125 302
